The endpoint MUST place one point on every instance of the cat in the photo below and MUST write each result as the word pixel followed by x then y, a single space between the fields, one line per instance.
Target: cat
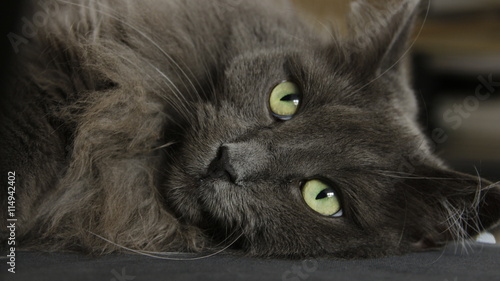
pixel 190 125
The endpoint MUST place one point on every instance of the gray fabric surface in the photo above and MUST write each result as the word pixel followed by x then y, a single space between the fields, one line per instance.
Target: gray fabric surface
pixel 454 263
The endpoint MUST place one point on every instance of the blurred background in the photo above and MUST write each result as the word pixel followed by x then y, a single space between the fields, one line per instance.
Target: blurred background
pixel 456 69
pixel 456 62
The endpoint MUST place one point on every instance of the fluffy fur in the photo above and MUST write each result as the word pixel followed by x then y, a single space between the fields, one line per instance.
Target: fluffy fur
pixel 116 109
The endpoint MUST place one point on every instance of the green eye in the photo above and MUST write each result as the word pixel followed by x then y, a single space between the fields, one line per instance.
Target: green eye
pixel 321 198
pixel 284 100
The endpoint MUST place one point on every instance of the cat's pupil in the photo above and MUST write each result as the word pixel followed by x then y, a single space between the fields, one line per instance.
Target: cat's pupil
pixel 325 193
pixel 291 98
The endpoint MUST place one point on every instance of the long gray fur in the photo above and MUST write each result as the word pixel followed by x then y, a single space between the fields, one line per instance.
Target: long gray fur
pixel 116 109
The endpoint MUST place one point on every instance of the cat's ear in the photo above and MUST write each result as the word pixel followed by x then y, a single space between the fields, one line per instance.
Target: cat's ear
pixel 380 32
pixel 447 205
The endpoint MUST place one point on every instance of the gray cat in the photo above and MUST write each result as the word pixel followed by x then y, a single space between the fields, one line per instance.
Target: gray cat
pixel 183 125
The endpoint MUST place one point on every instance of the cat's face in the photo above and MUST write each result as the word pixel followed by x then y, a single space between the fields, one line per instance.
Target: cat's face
pixel 304 153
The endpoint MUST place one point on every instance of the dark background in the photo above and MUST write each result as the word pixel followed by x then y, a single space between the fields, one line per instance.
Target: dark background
pixel 10 13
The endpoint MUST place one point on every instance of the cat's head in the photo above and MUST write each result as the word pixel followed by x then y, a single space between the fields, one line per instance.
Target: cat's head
pixel 307 149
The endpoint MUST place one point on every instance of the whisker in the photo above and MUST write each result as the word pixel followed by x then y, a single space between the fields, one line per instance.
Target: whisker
pixel 177 93
pixel 150 40
pixel 228 238
pixel 173 103
pixel 165 145
pixel 157 255
pixel 404 220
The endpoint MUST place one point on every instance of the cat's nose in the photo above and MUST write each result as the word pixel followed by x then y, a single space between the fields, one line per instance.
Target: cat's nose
pixel 221 167
pixel 239 162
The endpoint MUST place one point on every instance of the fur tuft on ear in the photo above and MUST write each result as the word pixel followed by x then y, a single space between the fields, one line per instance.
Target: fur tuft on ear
pixel 462 205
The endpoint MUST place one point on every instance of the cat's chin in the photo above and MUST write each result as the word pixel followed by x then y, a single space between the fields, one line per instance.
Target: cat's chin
pixel 197 196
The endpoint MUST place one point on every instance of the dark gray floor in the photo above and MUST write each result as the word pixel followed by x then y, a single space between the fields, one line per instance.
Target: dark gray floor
pixel 481 262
